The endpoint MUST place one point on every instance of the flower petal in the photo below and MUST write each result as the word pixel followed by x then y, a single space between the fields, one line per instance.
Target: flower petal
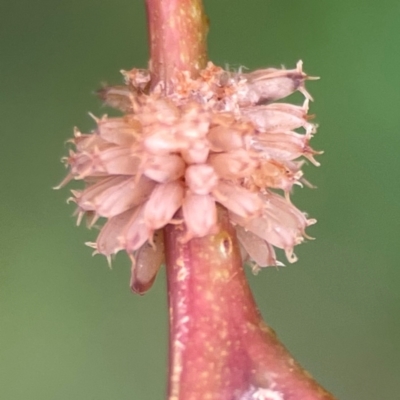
pixel 233 165
pixel 164 201
pixel 273 84
pixel 281 224
pixel 258 249
pixel 164 168
pixel 285 146
pixel 136 232
pixel 200 214
pixel 237 199
pixel 109 240
pixel 112 196
pixel 118 161
pixel 201 178
pixel 121 131
pixel 279 117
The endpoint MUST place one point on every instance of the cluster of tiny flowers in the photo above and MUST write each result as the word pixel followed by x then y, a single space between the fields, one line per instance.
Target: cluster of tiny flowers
pixel 178 152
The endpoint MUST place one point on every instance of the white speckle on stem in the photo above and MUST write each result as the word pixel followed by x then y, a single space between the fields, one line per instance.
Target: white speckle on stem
pixel 267 394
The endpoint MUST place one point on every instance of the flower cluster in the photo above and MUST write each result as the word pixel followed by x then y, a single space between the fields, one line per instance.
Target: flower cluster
pixel 181 150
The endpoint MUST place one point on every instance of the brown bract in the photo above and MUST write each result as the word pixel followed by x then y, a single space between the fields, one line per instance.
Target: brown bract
pixel 218 139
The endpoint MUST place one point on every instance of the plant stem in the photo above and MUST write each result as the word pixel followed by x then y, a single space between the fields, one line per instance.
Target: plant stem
pixel 219 347
pixel 177 34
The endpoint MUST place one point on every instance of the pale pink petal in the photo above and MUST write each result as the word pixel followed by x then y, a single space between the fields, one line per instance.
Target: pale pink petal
pixel 196 153
pixel 225 139
pixel 274 118
pixel 201 179
pixel 273 84
pixel 118 161
pixel 235 164
pixel 244 255
pixel 281 224
pixel 136 232
pixel 156 111
pixel 275 174
pixel 88 198
pixel 269 229
pixel 164 201
pixel 194 123
pixel 237 199
pixel 258 249
pixel 284 146
pixel 159 140
pixel 121 194
pixel 288 215
pixel 113 160
pixel 298 111
pixel 164 168
pixel 80 164
pixel 109 240
pixel 200 215
pixel 120 131
pixel 88 142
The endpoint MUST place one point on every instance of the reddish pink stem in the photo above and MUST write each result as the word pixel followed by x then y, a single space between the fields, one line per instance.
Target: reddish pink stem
pixel 220 349
pixel 219 346
pixel 177 35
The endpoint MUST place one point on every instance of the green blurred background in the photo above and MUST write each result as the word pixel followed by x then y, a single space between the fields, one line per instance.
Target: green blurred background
pixel 69 327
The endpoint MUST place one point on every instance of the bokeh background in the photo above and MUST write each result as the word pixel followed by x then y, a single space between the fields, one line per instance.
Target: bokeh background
pixel 69 327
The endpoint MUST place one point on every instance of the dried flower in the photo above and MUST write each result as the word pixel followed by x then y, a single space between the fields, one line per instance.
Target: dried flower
pixel 216 139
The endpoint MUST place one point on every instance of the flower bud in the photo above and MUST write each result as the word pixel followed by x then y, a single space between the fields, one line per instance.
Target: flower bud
pixel 265 86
